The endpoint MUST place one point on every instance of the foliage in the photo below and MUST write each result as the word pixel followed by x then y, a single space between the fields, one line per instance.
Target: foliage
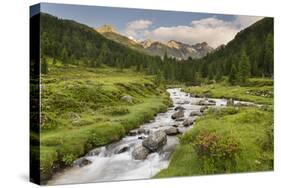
pixel 250 53
pixel 82 109
pixel 225 144
pixel 212 149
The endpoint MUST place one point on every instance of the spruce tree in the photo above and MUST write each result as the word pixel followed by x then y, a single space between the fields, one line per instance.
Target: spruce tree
pixel 232 78
pixel 244 67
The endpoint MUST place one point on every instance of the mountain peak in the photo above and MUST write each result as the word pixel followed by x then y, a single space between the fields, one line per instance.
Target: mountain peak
pixel 147 43
pixel 106 29
pixel 174 44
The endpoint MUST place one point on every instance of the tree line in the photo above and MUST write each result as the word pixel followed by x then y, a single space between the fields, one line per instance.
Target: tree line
pixel 250 53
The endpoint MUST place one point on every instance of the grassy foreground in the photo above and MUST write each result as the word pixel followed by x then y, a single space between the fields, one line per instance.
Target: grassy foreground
pixel 82 108
pixel 228 140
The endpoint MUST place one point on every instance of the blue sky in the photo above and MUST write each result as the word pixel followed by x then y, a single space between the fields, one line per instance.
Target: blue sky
pixel 141 24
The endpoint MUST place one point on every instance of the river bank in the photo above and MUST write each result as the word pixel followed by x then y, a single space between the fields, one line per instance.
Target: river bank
pixel 85 108
pixel 235 139
pixel 124 160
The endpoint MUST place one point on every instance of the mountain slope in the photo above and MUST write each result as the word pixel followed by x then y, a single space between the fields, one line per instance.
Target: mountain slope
pixel 174 49
pixel 255 43
pixel 110 32
pixel 75 43
pixel 178 50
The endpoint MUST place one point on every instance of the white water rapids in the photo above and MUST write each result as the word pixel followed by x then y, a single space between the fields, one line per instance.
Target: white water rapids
pixel 109 166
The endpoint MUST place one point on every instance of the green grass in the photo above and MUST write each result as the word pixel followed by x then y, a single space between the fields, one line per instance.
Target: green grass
pixel 252 92
pixel 231 139
pixel 250 128
pixel 82 109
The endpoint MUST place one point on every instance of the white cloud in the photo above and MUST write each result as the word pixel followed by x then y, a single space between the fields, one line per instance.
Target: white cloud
pixel 212 30
pixel 135 28
pixel 245 21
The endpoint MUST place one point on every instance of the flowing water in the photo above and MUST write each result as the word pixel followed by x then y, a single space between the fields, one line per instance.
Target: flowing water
pixel 109 165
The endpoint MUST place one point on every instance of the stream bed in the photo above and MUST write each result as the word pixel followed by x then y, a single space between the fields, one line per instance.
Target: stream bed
pixel 115 161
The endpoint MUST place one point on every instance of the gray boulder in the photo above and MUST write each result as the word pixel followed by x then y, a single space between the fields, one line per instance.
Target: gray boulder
pixel 188 122
pixel 206 102
pixel 140 152
pixel 133 133
pixel 178 114
pixel 74 117
pixel 203 109
pixel 94 152
pixel 81 162
pixel 230 102
pixel 155 140
pixel 171 131
pixel 179 108
pixel 212 102
pixel 141 131
pixel 122 149
pixel 127 98
pixel 195 113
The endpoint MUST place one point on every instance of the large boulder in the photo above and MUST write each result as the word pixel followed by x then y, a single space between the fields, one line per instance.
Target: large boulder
pixel 122 149
pixel 140 152
pixel 177 115
pixel 155 140
pixel 133 133
pixel 230 102
pixel 203 102
pixel 211 102
pixel 179 108
pixel 81 162
pixel 203 109
pixel 127 98
pixel 74 117
pixel 195 113
pixel 188 122
pixel 94 152
pixel 141 131
pixel 171 131
pixel 207 102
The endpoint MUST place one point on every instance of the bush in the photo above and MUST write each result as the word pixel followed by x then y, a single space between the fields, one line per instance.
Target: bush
pixel 68 159
pixel 217 153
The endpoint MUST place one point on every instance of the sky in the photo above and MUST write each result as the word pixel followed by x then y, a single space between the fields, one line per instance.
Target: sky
pixel 157 25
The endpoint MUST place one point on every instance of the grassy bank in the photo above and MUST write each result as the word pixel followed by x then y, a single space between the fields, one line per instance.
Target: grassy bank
pixel 258 90
pixel 82 108
pixel 229 140
pixel 225 141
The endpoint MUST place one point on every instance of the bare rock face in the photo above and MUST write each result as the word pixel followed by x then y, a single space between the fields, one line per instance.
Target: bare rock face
pixel 177 115
pixel 140 152
pixel 155 140
pixel 188 122
pixel 171 131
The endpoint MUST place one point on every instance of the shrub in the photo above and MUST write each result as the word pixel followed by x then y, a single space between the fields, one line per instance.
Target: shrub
pixel 217 153
pixel 68 159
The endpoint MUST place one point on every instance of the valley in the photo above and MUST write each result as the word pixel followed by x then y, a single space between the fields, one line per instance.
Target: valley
pixel 115 109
